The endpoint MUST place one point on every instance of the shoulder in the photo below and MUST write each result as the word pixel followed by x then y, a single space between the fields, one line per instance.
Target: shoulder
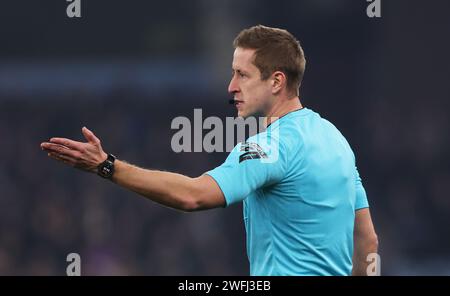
pixel 288 132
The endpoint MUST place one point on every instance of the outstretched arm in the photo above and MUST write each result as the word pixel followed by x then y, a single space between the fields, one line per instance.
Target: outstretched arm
pixel 170 189
pixel 365 242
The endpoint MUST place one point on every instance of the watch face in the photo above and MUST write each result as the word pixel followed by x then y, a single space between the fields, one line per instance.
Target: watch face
pixel 106 169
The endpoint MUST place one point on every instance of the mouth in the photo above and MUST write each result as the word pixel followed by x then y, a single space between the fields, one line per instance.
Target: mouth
pixel 238 103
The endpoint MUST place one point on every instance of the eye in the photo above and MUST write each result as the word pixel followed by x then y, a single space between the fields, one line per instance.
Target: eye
pixel 239 73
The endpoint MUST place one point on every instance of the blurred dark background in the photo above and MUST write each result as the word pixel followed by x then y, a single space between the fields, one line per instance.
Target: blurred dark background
pixel 126 69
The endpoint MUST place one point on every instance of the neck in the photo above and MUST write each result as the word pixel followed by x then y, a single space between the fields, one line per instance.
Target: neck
pixel 281 109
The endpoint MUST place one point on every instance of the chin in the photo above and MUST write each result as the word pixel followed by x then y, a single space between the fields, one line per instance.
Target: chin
pixel 246 115
pixel 242 114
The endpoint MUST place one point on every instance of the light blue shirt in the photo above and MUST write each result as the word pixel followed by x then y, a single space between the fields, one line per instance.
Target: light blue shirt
pixel 300 188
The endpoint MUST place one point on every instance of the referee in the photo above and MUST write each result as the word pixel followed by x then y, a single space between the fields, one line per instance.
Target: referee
pixel 305 208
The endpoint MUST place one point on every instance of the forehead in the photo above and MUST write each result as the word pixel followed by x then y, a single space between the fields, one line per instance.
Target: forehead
pixel 243 59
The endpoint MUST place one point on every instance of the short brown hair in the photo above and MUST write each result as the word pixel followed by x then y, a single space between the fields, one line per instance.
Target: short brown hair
pixel 275 50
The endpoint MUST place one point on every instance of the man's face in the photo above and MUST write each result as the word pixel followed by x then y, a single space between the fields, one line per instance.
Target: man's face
pixel 252 95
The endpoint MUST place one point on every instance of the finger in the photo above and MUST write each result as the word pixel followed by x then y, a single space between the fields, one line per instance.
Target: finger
pixel 90 136
pixel 68 143
pixel 51 146
pixel 63 158
pixel 60 150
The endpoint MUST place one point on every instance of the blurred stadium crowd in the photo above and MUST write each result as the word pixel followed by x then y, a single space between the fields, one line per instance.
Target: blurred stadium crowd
pixel 383 84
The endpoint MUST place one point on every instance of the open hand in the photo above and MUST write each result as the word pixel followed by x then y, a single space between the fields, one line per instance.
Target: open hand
pixel 85 156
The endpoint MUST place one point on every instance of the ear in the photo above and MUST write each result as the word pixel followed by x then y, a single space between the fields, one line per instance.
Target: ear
pixel 278 81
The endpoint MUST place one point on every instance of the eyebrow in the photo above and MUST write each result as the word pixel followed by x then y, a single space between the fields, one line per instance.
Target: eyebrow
pixel 240 71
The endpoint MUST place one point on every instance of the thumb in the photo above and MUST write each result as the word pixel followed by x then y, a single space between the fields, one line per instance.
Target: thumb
pixel 90 137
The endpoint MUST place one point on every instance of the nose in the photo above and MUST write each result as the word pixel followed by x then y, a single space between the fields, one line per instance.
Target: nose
pixel 233 87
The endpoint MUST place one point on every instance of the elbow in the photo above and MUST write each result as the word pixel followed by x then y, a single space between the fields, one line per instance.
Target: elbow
pixel 366 243
pixel 189 206
pixel 189 203
pixel 195 202
pixel 202 194
pixel 374 242
pixel 195 198
pixel 371 242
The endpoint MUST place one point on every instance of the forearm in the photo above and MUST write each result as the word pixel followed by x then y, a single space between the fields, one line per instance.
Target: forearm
pixel 365 242
pixel 361 258
pixel 170 189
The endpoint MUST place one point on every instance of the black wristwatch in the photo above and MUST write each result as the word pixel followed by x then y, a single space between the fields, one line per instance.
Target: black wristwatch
pixel 106 168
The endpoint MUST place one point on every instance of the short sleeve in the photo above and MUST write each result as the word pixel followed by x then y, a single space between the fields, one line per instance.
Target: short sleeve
pixel 361 196
pixel 260 161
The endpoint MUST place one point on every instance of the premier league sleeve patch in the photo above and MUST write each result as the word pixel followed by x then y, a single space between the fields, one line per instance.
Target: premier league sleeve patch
pixel 251 151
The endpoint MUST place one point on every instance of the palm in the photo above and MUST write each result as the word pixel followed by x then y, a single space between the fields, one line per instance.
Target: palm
pixel 83 155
